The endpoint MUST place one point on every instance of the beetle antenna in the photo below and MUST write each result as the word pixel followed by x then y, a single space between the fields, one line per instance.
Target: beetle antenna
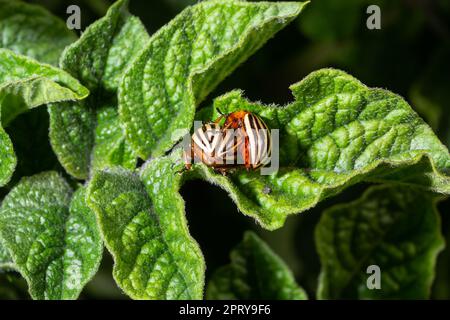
pixel 222 115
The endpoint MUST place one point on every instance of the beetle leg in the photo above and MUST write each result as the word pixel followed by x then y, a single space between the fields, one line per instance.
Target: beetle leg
pixel 219 119
pixel 222 171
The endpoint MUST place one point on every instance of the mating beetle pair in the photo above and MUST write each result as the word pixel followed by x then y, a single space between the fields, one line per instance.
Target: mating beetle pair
pixel 244 140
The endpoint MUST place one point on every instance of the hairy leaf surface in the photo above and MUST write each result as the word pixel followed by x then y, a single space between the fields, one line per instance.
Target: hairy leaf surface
pixel 33 31
pixel 87 135
pixel 5 258
pixel 336 133
pixel 25 84
pixel 395 228
pixel 255 272
pixel 51 235
pixel 185 60
pixel 143 223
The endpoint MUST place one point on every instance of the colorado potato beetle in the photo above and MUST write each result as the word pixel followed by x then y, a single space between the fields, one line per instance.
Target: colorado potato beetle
pixel 213 146
pixel 243 140
pixel 256 146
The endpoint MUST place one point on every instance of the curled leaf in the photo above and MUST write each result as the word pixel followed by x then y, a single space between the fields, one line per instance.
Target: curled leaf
pixel 336 133
pixel 25 84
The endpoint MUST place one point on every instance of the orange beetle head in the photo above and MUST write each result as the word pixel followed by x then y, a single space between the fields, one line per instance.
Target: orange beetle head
pixel 235 119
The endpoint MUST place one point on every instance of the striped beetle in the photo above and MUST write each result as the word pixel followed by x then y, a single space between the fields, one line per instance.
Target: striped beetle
pixel 243 140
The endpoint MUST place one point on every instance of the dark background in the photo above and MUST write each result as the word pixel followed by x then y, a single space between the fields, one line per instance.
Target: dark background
pixel 409 56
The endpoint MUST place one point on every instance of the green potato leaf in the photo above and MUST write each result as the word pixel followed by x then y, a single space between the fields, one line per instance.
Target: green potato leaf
pixel 395 228
pixel 33 31
pixel 87 135
pixel 25 84
pixel 8 159
pixel 143 224
pixel 255 272
pixel 336 133
pixel 5 258
pixel 185 60
pixel 51 235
